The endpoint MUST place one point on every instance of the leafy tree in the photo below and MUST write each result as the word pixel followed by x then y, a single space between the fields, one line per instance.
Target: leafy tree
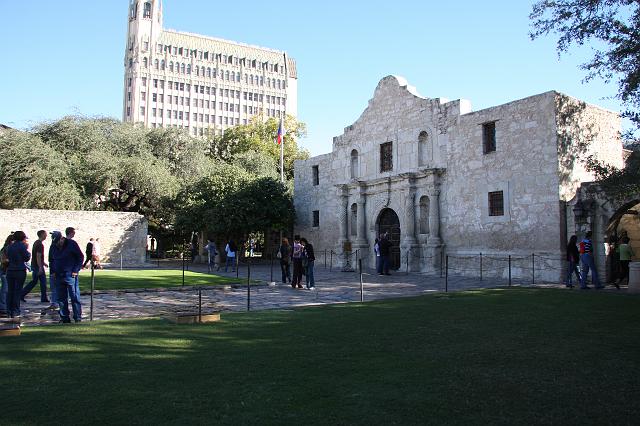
pixel 614 26
pixel 34 175
pixel 257 163
pixel 259 136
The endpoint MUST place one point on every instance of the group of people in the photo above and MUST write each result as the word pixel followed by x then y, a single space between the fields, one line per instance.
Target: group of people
pixel 582 253
pixel 230 250
pixel 64 260
pixel 92 253
pixel 301 254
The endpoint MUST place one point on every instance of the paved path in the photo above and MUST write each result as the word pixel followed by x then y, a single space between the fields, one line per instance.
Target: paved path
pixel 331 287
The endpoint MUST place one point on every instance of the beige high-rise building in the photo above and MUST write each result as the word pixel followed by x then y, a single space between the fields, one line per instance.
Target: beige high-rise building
pixel 200 83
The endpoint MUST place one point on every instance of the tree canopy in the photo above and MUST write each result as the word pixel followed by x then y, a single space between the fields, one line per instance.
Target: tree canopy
pixel 612 27
pixel 229 184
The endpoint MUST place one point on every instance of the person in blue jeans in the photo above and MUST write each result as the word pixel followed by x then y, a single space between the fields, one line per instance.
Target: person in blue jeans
pixel 37 268
pixel 586 257
pixel 573 257
pixel 310 256
pixel 67 266
pixel 18 255
pixel 54 254
pixel 230 250
pixel 4 284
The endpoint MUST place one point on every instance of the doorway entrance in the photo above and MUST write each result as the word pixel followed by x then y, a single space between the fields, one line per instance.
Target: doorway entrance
pixel 389 223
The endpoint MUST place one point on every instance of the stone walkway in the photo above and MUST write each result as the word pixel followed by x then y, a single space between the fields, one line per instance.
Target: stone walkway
pixel 331 287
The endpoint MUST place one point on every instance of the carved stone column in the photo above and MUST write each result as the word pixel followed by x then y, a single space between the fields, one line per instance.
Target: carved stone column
pixel 434 243
pixel 434 218
pixel 342 215
pixel 409 247
pixel 362 218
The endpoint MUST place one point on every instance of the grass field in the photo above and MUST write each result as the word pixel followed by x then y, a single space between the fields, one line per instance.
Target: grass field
pixel 516 356
pixel 149 278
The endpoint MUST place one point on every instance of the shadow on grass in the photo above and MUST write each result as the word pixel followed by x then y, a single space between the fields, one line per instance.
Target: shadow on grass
pixel 499 356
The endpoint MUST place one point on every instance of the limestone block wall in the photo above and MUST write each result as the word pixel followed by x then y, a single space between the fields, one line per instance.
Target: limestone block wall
pixel 119 233
pixel 523 166
pixel 584 130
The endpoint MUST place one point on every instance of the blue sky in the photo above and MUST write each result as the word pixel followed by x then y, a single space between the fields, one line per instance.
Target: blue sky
pixel 66 57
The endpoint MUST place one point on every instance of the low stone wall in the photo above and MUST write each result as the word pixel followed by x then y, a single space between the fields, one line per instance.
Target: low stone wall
pixel 121 234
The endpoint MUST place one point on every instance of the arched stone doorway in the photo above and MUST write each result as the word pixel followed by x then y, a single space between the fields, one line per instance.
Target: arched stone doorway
pixel 389 223
pixel 625 222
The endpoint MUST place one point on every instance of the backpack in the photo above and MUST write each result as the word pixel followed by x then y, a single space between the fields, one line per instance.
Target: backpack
pixel 4 259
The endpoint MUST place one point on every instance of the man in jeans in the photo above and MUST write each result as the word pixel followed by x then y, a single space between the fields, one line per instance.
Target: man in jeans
pixel 68 265
pixel 37 268
pixel 588 262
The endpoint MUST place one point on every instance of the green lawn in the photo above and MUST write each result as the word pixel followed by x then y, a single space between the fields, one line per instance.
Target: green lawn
pixel 512 356
pixel 149 278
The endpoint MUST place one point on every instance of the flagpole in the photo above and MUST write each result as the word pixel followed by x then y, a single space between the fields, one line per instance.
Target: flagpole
pixel 281 156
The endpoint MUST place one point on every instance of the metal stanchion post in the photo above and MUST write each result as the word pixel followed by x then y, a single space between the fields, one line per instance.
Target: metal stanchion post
pixel 441 262
pixel 325 258
pixel 237 264
pixel 199 304
pixel 93 287
pixel 121 261
pixel 480 266
pixel 446 275
pixel 183 268
pixel 361 283
pixel 533 268
pixel 331 260
pixel 248 285
pixel 271 269
pixel 509 270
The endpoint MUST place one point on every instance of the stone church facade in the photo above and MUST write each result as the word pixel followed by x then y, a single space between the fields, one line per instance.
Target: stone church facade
pixel 440 178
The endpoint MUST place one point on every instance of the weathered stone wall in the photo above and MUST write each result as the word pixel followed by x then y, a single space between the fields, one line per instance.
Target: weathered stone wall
pixel 438 148
pixel 119 233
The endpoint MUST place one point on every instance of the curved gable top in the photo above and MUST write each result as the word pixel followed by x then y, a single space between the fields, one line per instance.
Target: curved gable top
pixel 396 81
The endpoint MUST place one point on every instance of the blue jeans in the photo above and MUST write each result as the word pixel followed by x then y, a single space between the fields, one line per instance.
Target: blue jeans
pixel 384 265
pixel 15 280
pixel 3 291
pixel 310 279
pixel 378 264
pixel 286 271
pixel 37 276
pixel 69 288
pixel 230 261
pixel 53 287
pixel 573 267
pixel 588 263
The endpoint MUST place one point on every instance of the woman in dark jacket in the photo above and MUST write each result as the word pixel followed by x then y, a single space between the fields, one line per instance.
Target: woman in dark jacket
pixel 309 257
pixel 284 253
pixel 573 257
pixel 18 255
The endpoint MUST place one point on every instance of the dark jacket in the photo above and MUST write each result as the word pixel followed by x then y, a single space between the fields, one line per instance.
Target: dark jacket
pixel 384 245
pixel 54 256
pixel 18 255
pixel 308 252
pixel 70 258
pixel 572 253
pixel 285 254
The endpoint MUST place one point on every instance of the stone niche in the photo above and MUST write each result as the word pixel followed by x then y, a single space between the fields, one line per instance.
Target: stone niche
pixel 123 236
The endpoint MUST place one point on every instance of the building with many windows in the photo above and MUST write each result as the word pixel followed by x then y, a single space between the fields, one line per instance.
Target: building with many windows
pixel 200 83
pixel 440 179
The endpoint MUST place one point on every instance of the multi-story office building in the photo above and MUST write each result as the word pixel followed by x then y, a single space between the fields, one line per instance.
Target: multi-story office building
pixel 200 83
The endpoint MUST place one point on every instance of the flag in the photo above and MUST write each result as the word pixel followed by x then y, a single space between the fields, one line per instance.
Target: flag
pixel 280 135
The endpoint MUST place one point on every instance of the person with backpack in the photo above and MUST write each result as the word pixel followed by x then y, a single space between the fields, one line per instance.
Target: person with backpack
pixel 284 254
pixel 18 256
pixel 230 250
pixel 3 275
pixel 296 256
pixel 588 262
pixel 309 257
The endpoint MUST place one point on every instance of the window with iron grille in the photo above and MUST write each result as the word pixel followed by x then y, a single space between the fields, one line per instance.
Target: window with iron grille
pixel 489 137
pixel 496 203
pixel 316 218
pixel 316 175
pixel 386 156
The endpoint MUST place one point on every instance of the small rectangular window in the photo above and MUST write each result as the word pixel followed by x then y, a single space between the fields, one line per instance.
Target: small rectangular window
pixel 386 157
pixel 316 218
pixel 489 137
pixel 316 176
pixel 496 203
